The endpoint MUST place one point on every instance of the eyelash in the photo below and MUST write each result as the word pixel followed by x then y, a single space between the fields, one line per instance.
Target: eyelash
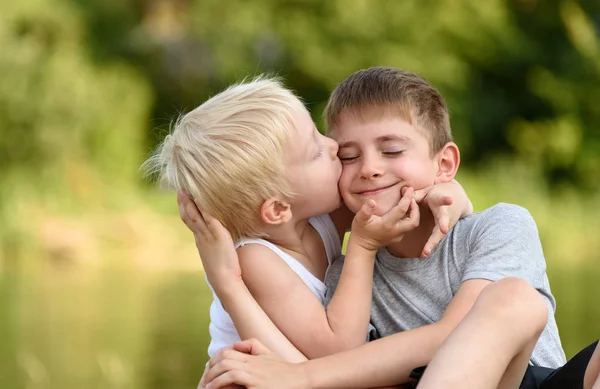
pixel 386 153
pixel 320 153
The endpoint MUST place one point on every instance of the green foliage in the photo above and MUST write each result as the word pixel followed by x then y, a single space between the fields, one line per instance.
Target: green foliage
pixel 62 117
pixel 520 76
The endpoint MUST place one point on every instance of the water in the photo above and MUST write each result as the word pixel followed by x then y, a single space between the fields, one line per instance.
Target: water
pixel 65 327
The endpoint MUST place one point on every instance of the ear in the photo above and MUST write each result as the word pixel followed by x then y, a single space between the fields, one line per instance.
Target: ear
pixel 448 160
pixel 274 211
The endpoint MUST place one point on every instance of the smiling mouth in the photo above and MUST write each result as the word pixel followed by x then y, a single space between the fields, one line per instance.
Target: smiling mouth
pixel 373 192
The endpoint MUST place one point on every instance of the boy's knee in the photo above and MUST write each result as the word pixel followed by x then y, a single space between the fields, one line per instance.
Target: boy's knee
pixel 517 300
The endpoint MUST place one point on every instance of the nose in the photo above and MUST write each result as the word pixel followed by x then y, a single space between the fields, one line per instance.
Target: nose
pixel 370 168
pixel 333 147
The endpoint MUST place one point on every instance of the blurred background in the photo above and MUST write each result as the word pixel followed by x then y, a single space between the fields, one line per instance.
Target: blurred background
pixel 100 283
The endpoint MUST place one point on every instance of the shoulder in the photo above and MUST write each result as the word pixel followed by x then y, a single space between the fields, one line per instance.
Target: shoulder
pixel 502 224
pixel 262 264
pixel 502 215
pixel 257 251
pixel 504 210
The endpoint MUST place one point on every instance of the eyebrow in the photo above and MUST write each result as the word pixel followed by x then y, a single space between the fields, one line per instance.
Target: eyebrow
pixel 380 139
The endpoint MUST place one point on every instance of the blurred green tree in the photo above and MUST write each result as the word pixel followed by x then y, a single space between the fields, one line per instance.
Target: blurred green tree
pixel 520 76
pixel 65 120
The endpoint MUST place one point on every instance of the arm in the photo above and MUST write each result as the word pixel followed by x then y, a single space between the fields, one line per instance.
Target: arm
pixel 221 265
pixel 361 367
pixel 295 310
pixel 243 308
pixel 298 313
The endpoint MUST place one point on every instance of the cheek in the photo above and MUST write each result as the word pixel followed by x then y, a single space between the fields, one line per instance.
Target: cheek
pixel 345 180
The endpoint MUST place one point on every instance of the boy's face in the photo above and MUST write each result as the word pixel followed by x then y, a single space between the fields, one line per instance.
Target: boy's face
pixel 313 168
pixel 379 157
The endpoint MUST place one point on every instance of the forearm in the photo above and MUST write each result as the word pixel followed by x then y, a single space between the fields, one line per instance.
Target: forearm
pixel 251 321
pixel 349 310
pixel 384 362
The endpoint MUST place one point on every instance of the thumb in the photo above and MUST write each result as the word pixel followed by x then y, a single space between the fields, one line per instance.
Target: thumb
pixel 251 346
pixel 419 195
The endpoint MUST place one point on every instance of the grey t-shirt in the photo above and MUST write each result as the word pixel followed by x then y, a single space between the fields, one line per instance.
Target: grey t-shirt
pixel 499 242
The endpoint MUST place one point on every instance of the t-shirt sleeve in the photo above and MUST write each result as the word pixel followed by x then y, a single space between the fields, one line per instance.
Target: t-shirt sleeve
pixel 505 243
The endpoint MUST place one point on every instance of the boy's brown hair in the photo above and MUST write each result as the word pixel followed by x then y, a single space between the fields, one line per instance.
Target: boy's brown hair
pixel 384 91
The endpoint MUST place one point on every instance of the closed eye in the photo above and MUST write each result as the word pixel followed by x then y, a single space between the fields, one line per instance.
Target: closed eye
pixel 319 153
pixel 393 153
pixel 347 159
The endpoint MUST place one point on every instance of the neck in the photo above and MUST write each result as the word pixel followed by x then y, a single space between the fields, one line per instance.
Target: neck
pixel 413 243
pixel 288 235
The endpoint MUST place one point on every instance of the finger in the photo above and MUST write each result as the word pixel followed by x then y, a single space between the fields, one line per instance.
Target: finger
pixel 226 360
pixel 398 213
pixel 220 355
pixel 434 239
pixel 198 224
pixel 238 377
pixel 421 194
pixel 187 209
pixel 412 221
pixel 223 368
pixel 213 225
pixel 415 212
pixel 443 221
pixel 203 378
pixel 441 201
pixel 251 346
pixel 183 214
pixel 366 211
pixel 447 200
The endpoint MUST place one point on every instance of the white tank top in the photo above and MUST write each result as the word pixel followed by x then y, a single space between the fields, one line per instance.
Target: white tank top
pixel 221 328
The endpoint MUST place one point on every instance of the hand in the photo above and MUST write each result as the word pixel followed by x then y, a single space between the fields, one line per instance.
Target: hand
pixel 202 381
pixel 372 232
pixel 252 365
pixel 213 241
pixel 446 212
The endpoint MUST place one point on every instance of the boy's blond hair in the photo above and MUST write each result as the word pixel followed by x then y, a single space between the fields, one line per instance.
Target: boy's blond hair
pixel 380 92
pixel 227 153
